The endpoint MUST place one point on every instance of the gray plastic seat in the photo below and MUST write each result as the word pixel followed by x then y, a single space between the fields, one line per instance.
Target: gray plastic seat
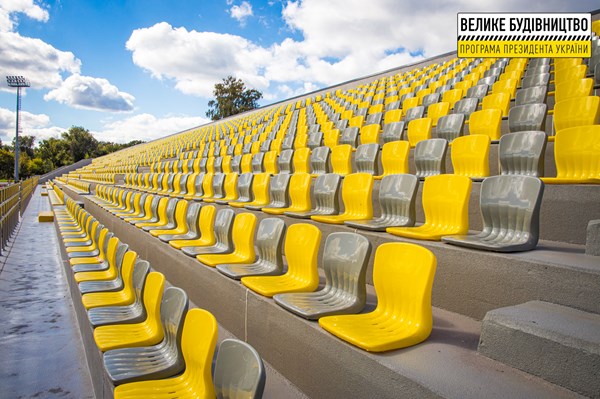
pixel 218 165
pixel 236 161
pixel 527 117
pixel 279 188
pixel 392 132
pixel 443 89
pixel 202 164
pixel 326 198
pixel 430 157
pixel 392 105
pixel 522 153
pixel 230 150
pixel 90 267
pixel 493 72
pixel 239 372
pixel 535 80
pixel 257 162
pixel 349 136
pixel 198 189
pixel 319 160
pixel 87 254
pixel 406 96
pixel 288 141
pixel 431 99
pixel 315 140
pixel 182 185
pixel 284 162
pixel 191 220
pixel 265 146
pixel 397 195
pixel 218 186
pixel 158 361
pixel 341 124
pixel 366 159
pixel 171 223
pixel 510 208
pixel 536 70
pixel 414 113
pixel 361 112
pixel 488 80
pixel 450 126
pixel 478 91
pixel 223 228
pixel 466 106
pixel 531 95
pixel 126 314
pixel 374 119
pixel 107 285
pixel 345 259
pixel 269 252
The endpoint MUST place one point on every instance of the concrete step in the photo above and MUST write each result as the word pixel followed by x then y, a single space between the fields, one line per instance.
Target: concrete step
pixel 557 343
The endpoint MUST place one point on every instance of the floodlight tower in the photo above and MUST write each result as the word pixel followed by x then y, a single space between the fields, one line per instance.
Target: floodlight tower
pixel 18 82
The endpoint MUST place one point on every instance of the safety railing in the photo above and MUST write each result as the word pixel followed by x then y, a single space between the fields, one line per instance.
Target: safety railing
pixel 13 201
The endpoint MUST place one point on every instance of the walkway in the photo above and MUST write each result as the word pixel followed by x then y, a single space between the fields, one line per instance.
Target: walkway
pixel 41 351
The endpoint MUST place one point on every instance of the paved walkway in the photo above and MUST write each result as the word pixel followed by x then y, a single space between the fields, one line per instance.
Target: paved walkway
pixel 41 351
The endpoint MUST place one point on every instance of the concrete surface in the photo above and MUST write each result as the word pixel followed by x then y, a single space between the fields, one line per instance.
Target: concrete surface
pixel 557 343
pixel 41 352
pixel 592 243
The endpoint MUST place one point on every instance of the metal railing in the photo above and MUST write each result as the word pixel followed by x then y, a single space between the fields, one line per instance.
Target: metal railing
pixel 13 201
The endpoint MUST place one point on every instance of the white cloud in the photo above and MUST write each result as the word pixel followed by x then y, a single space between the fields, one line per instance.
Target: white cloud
pixel 38 125
pixel 241 12
pixel 8 8
pixel 86 92
pixel 146 127
pixel 38 61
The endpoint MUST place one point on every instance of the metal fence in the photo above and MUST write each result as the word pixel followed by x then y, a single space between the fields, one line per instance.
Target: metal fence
pixel 13 201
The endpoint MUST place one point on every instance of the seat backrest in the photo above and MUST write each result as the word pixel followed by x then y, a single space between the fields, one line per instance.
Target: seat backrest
pixel 375 118
pixel 326 196
pixel 285 161
pixel 577 152
pixel 397 197
pixel 198 342
pixel 414 113
pixel 341 159
pixel 279 190
pixel 418 130
pixel 319 160
pixel 349 136
pixel 430 99
pixel 218 165
pixel 366 158
pixel 244 185
pixel 527 117
pixel 452 96
pixel 573 88
pixel 357 190
pixel 257 162
pixel 236 164
pixel 269 243
pixel 522 153
pixel 302 242
pixel 531 95
pixel 541 79
pixel 260 187
pixel 430 157
pixel 446 201
pixel 302 160
pixel 230 186
pixel 345 260
pixel 392 131
pixel 369 134
pixel 140 272
pixel 246 163
pixel 244 226
pixel 486 122
pixel 173 308
pixel 478 91
pixel 578 111
pixel 223 227
pixel 191 218
pixel 510 206
pixel 466 106
pixel 153 294
pixel 403 278
pixel 471 155
pixel 206 224
pixel 394 157
pixel 499 100
pixel 450 126
pixel 239 371
pixel 437 110
pixel 315 140
pixel 392 115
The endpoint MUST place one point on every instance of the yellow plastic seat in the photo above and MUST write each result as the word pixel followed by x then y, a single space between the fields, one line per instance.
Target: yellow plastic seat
pixel 331 138
pixel 418 130
pixel 446 208
pixel 394 158
pixel 260 191
pixel 180 222
pixel 577 156
pixel 270 163
pixel 500 101
pixel 505 86
pixel 147 211
pixel 452 96
pixel 486 121
pixel 470 156
pixel 409 103
pixel 436 111
pixel 393 115
pixel 403 278
pixel 125 296
pixel 567 73
pixel 341 159
pixel 206 221
pixel 101 257
pixel 301 249
pixel 161 213
pixel 149 332
pixel 369 134
pixel 574 88
pixel 108 274
pixel 357 190
pixel 230 186
pixel 299 195
pixel 244 226
pixel 577 111
pixel 246 163
pixel 198 342
pixel 301 160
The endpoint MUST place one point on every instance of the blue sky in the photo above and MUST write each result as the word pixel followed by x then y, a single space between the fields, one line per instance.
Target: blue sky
pixel 141 69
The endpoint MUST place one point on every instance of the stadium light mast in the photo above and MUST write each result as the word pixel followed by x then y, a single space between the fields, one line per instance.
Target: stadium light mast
pixel 18 82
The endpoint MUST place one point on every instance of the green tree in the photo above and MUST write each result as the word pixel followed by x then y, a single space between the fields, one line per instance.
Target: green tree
pixel 231 98
pixel 7 164
pixel 54 152
pixel 26 144
pixel 81 143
